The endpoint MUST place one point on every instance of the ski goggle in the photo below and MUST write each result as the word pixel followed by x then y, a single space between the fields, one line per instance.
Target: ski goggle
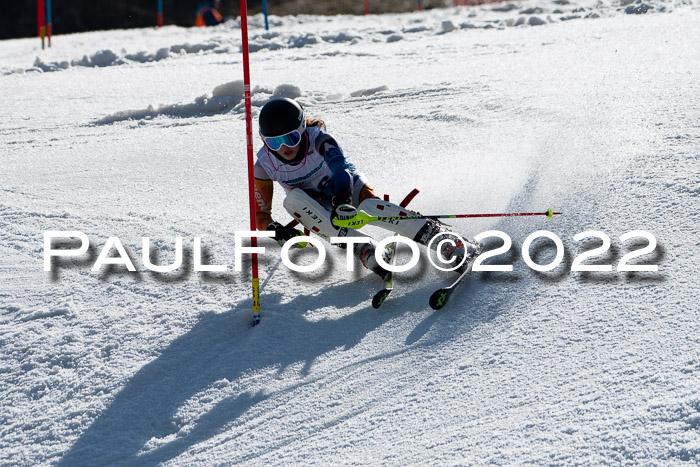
pixel 290 139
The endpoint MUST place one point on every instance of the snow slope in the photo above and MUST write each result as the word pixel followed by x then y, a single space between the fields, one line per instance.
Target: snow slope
pixel 140 133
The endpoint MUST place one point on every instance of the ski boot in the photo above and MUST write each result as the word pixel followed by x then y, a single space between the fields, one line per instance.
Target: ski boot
pixel 365 252
pixel 452 251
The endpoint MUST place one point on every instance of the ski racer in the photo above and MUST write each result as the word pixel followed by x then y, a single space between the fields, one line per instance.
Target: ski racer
pixel 321 185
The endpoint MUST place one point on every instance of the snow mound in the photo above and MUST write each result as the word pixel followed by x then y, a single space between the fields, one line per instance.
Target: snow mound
pixel 108 57
pixel 226 98
pixel 223 99
pixel 368 92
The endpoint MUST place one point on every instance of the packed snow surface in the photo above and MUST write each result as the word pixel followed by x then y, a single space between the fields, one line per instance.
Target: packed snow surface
pixel 586 107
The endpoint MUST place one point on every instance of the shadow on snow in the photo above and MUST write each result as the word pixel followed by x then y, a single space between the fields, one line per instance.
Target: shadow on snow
pixel 223 346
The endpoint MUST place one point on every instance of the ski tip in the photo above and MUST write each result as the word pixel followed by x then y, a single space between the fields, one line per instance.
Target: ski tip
pixel 438 299
pixel 380 297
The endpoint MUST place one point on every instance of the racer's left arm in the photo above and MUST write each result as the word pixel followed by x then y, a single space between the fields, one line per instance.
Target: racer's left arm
pixel 339 187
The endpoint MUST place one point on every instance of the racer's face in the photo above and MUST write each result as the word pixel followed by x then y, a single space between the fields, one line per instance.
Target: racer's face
pixel 288 153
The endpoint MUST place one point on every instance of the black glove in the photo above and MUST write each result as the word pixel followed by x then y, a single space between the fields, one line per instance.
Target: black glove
pixel 284 233
pixel 339 200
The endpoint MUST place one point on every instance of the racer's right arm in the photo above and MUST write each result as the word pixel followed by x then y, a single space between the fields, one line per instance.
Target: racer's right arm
pixel 263 198
pixel 263 202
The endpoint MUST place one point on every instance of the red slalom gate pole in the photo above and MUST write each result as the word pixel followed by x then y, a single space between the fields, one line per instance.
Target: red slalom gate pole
pixel 41 20
pixel 249 139
pixel 366 7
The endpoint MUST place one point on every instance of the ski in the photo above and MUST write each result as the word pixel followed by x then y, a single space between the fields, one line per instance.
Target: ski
pixel 440 297
pixel 382 295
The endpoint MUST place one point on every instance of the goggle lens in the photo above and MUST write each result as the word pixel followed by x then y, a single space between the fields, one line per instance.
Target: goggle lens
pixel 276 142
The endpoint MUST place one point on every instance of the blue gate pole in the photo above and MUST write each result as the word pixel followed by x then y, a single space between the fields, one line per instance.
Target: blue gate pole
pixel 267 27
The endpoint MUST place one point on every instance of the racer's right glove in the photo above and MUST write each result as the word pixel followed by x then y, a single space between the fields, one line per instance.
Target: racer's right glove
pixel 284 233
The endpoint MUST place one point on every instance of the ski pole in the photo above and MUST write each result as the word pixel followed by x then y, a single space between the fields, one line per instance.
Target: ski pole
pixel 362 218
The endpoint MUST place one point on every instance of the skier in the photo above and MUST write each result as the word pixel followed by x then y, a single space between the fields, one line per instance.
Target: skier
pixel 321 185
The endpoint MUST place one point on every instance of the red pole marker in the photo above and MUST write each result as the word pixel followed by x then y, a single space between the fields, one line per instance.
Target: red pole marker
pixel 41 20
pixel 160 13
